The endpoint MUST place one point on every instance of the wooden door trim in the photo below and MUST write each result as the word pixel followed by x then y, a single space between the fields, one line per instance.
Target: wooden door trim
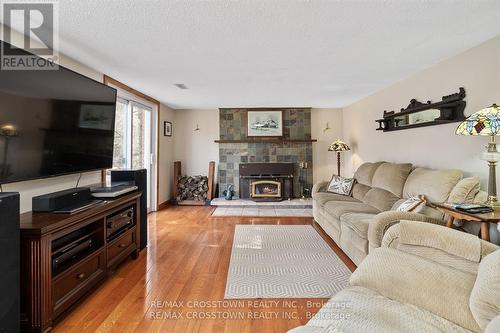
pixel 109 81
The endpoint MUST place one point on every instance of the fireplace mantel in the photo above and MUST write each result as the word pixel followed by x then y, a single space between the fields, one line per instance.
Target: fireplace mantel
pixel 264 140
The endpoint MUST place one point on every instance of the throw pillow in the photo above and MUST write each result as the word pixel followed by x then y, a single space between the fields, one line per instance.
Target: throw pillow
pixel 412 204
pixel 465 191
pixel 340 185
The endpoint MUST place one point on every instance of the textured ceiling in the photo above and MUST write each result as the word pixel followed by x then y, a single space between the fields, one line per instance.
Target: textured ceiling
pixel 269 53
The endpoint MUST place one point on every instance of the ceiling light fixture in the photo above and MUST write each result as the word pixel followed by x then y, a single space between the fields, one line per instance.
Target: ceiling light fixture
pixel 181 86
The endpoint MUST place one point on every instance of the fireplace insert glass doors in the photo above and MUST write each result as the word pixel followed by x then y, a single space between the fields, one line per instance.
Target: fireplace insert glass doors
pixel 265 189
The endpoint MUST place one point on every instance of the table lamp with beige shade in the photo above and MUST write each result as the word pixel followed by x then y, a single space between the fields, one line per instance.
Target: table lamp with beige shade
pixel 486 122
pixel 338 146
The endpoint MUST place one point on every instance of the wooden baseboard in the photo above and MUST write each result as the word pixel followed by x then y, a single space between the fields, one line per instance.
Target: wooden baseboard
pixel 164 205
pixel 191 203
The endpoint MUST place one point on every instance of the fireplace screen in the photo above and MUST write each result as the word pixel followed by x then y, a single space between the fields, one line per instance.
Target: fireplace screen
pixel 265 189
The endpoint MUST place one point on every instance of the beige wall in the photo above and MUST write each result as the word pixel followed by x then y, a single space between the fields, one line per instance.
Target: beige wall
pixel 325 162
pixel 477 70
pixel 196 148
pixel 165 172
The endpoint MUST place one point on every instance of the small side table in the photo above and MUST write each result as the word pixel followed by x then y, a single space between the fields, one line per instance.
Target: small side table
pixel 485 219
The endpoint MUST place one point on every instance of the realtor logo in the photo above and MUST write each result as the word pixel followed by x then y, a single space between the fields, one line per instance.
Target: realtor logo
pixel 32 26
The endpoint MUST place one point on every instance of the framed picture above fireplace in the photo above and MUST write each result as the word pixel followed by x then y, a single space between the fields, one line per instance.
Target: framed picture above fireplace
pixel 265 123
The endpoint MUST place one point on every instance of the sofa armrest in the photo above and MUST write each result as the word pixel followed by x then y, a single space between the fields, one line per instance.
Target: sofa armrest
pixel 319 187
pixel 384 220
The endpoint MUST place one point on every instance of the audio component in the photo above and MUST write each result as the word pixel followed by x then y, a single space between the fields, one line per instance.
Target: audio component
pixel 116 224
pixel 140 178
pixel 9 265
pixel 73 197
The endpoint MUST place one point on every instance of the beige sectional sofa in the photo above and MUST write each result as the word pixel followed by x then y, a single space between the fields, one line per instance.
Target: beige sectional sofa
pixel 358 222
pixel 424 278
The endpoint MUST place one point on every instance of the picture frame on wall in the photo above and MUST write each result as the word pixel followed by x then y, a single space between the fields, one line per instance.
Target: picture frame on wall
pixel 167 128
pixel 265 123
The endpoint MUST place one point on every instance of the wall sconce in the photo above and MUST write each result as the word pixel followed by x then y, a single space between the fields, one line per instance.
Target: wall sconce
pixel 8 130
pixel 197 128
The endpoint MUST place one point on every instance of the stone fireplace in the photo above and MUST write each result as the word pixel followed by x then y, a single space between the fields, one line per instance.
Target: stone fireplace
pixel 236 148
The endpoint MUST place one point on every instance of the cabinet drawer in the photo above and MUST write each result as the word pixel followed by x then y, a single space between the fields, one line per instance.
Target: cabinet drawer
pixel 72 284
pixel 121 247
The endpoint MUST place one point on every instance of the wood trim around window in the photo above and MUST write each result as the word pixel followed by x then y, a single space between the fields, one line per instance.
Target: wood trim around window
pixel 112 82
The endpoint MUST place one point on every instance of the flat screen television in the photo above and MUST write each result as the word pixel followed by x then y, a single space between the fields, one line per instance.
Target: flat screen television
pixel 54 122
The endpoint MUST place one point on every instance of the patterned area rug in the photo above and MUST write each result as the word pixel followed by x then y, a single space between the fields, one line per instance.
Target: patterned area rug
pixel 262 211
pixel 283 261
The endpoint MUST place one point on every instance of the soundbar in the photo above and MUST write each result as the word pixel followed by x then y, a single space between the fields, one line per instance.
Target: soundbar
pixel 62 199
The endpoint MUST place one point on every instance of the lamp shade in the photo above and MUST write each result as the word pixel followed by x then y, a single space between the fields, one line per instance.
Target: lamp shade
pixel 8 130
pixel 482 122
pixel 338 145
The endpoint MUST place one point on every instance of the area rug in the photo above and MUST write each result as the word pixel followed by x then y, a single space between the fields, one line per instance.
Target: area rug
pixel 262 211
pixel 283 261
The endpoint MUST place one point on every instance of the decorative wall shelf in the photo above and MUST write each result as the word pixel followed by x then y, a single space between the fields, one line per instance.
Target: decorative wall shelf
pixel 274 140
pixel 449 110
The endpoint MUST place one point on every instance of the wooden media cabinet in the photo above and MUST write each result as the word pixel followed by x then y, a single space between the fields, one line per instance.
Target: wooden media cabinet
pixel 65 256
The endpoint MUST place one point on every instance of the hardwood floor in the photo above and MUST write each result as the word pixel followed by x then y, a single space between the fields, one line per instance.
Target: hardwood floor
pixel 187 262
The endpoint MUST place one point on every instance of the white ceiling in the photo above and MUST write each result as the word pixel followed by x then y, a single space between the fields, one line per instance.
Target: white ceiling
pixel 269 53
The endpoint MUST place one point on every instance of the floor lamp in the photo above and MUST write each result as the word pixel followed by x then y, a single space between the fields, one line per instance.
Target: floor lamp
pixel 338 146
pixel 7 132
pixel 486 122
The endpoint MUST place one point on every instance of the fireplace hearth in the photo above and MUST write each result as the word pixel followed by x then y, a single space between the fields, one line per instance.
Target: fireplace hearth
pixel 266 181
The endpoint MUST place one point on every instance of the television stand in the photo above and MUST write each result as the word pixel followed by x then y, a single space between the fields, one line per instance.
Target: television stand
pixel 79 207
pixel 66 256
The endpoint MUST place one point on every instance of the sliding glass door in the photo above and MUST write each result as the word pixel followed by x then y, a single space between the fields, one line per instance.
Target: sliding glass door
pixel 134 139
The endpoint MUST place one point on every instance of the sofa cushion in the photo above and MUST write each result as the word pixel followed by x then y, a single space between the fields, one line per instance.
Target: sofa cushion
pixel 359 191
pixel 307 329
pixel 358 222
pixel 485 296
pixel 458 250
pixel 465 191
pixel 454 242
pixel 352 244
pixel 338 208
pixel 381 199
pixel 410 279
pixel 413 204
pixel 432 212
pixel 436 185
pixel 323 197
pixel 391 177
pixel 358 309
pixel 365 172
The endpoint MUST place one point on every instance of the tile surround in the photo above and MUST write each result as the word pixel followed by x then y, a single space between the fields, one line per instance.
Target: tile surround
pixel 233 126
